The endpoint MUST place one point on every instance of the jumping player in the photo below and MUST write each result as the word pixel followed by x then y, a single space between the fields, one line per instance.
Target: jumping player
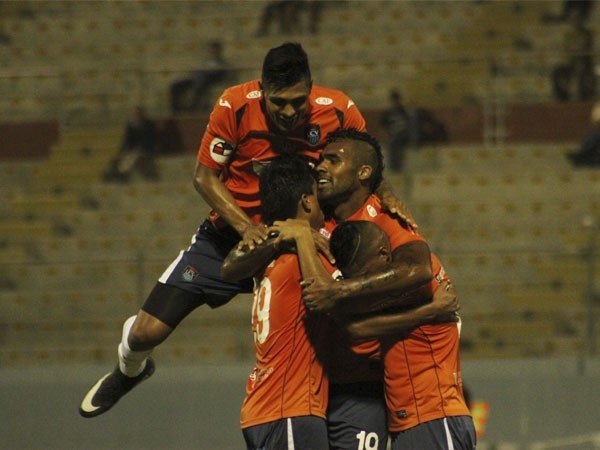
pixel 251 123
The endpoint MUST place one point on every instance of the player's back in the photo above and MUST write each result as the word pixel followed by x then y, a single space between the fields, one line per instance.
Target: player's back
pixel 288 379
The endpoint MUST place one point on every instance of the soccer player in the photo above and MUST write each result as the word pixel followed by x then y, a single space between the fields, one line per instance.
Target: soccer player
pixel 423 385
pixel 287 392
pixel 251 123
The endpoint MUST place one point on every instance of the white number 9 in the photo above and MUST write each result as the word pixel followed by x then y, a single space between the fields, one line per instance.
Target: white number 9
pixel 260 311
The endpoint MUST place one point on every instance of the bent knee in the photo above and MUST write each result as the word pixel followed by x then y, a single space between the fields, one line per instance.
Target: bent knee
pixel 147 332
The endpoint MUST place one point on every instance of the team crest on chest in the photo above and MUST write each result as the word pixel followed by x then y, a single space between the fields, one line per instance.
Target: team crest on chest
pixel 313 134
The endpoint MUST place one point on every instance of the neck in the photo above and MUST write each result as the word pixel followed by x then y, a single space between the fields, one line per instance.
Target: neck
pixel 346 208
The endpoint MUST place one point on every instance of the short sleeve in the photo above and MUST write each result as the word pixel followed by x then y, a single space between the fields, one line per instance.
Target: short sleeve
pixel 353 118
pixel 220 137
pixel 397 234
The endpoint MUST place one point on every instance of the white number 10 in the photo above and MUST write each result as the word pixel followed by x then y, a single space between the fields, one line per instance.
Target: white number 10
pixel 368 441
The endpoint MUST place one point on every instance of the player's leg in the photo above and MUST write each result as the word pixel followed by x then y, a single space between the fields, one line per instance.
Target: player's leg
pixel 449 433
pixel 297 433
pixel 190 281
pixel 357 417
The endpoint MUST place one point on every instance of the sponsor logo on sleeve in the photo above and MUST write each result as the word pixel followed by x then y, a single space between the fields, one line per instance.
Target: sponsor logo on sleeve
pixel 224 103
pixel 371 211
pixel 323 101
pixel 253 94
pixel 220 150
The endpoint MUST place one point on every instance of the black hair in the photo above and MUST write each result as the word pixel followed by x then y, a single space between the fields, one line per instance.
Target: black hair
pixel 373 158
pixel 285 66
pixel 352 241
pixel 282 184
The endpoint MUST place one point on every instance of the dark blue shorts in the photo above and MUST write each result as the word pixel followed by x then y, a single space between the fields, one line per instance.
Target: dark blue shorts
pixel 198 268
pixel 449 433
pixel 296 433
pixel 357 417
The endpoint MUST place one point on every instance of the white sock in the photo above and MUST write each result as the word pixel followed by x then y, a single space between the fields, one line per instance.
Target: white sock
pixel 131 363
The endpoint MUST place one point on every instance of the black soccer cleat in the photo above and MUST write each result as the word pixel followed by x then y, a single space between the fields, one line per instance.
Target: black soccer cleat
pixel 110 388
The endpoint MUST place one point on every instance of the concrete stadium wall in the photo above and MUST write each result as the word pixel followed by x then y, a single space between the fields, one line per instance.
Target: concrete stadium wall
pixel 198 407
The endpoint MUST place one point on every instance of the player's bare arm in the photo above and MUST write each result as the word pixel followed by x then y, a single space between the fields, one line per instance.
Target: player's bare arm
pixel 394 205
pixel 300 232
pixel 442 309
pixel 410 268
pixel 212 190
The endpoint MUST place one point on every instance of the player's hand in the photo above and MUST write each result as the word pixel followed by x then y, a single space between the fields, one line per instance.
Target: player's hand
pixel 319 295
pixel 398 208
pixel 254 235
pixel 289 230
pixel 445 303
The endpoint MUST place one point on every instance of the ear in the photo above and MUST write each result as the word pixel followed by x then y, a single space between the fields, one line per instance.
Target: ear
pixel 306 203
pixel 310 85
pixel 364 173
pixel 384 252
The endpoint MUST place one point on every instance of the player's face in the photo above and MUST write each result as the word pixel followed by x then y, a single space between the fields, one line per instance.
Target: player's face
pixel 336 173
pixel 287 107
pixel 375 262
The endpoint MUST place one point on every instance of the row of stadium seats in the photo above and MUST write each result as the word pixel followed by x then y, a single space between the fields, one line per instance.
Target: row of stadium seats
pixel 437 54
pixel 516 256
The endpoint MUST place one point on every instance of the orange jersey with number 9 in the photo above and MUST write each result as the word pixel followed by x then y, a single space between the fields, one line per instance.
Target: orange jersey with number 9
pixel 291 345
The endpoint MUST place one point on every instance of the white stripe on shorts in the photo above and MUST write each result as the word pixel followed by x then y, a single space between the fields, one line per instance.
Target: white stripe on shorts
pixel 448 435
pixel 290 435
pixel 167 273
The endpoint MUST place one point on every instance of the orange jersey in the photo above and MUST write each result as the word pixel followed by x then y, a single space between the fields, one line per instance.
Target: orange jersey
pixel 238 139
pixel 288 379
pixel 422 372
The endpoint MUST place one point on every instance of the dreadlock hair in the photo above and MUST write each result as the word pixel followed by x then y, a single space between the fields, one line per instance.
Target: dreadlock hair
pixel 281 186
pixel 285 66
pixel 372 157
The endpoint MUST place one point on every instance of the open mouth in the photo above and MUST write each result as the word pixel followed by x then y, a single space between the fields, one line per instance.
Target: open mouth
pixel 323 181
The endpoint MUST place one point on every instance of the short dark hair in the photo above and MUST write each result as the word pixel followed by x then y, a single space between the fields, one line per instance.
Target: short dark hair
pixel 352 242
pixel 374 157
pixel 285 66
pixel 282 184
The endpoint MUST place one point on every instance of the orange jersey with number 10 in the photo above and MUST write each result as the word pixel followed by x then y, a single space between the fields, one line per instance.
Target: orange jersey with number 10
pixel 238 139
pixel 288 379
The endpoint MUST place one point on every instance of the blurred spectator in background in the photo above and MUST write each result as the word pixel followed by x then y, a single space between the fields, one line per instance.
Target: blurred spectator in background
pixel 578 62
pixel 408 128
pixel 288 15
pixel 396 122
pixel 189 94
pixel 588 153
pixel 137 150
